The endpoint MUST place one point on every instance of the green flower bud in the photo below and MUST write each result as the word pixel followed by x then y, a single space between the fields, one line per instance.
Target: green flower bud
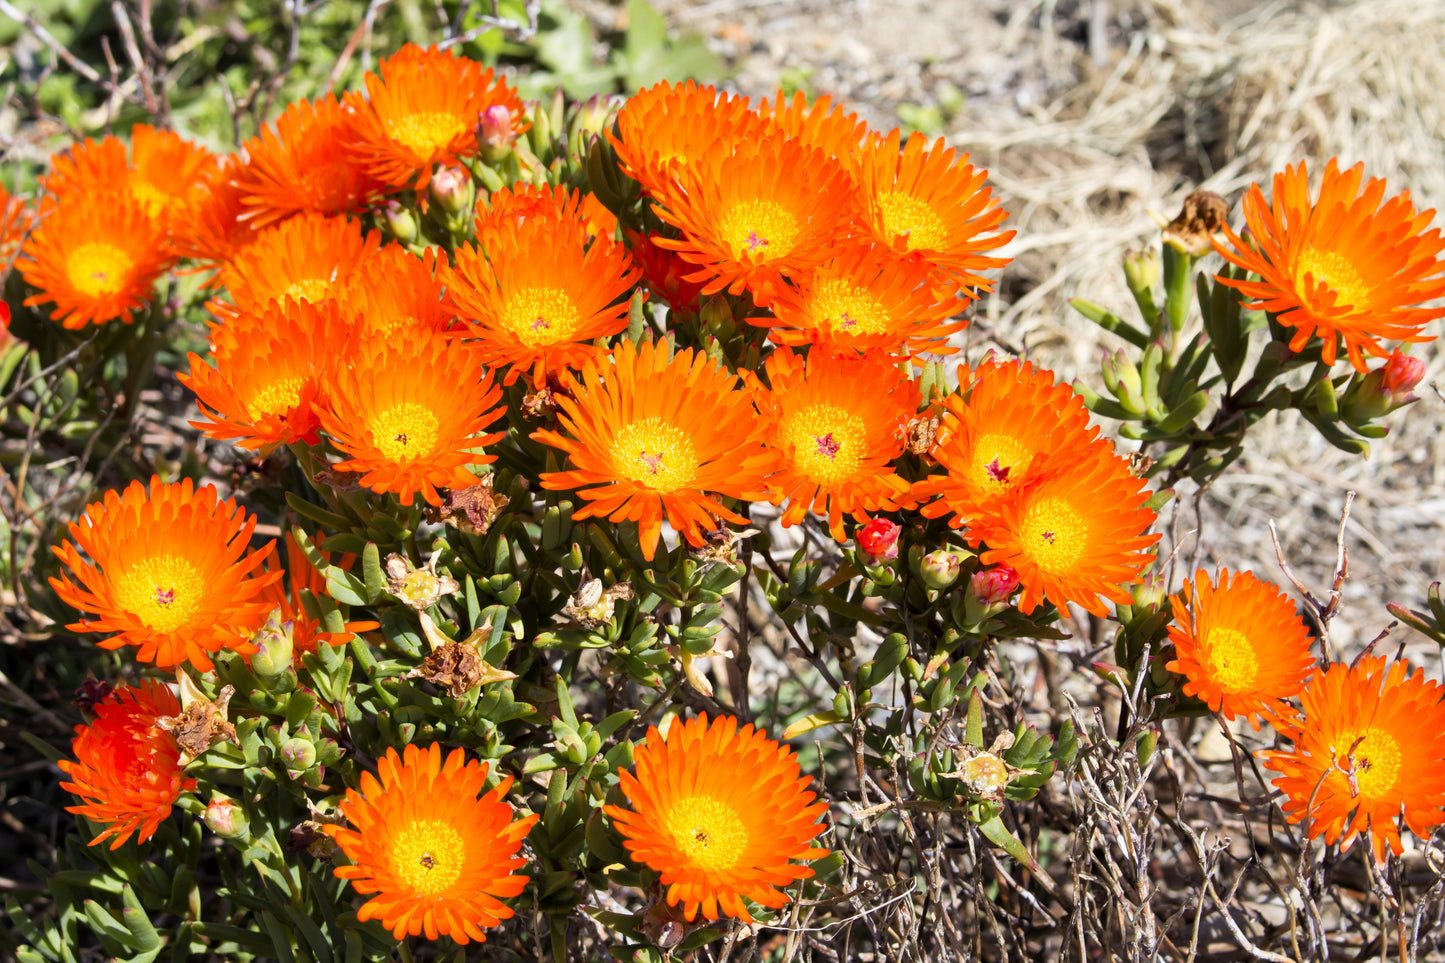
pixel 226 818
pixel 298 754
pixel 400 223
pixel 939 569
pixel 274 649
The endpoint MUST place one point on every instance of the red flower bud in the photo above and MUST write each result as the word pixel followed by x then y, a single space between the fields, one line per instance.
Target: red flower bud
pixel 879 538
pixel 994 585
pixel 1402 372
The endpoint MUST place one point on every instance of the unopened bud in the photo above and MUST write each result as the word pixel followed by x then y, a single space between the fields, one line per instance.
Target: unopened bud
pixel 274 648
pixel 1143 271
pixel 879 540
pixel 594 116
pixel 495 132
pixel 298 755
pixel 225 818
pixel 939 569
pixel 1401 374
pixel 451 188
pixel 1151 593
pixel 993 586
pixel 400 223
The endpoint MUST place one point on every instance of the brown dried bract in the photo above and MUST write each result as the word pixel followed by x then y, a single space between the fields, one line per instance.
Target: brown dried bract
pixel 1203 216
pixel 470 510
pixel 201 724
pixel 920 434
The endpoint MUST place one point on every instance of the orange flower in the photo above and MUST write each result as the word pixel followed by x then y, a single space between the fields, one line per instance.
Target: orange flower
pixel 1241 645
pixel 1346 266
pixel 719 812
pixel 511 207
pixel 928 202
pixel 409 410
pixel 127 769
pixel 1005 426
pixel 421 109
pixel 664 128
pixel 438 856
pixel 309 258
pixel 15 221
pixel 1370 751
pixel 171 573
pixel 263 391
pixel 652 435
pixel 96 259
pixel 537 293
pixel 303 577
pixel 820 124
pixel 162 171
pixel 307 164
pixel 212 229
pixel 395 290
pixel 837 423
pixel 864 299
pixel 757 210
pixel 1074 534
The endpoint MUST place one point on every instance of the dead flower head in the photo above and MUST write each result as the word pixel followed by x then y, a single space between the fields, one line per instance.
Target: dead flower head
pixel 591 605
pixel 419 588
pixel 470 510
pixel 202 722
pixel 1203 216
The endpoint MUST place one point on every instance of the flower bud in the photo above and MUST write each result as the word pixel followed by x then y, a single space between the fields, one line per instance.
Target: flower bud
pixel 225 818
pixel 1383 390
pixel 993 586
pixel 400 223
pixel 495 132
pixel 274 648
pixel 1401 374
pixel 594 116
pixel 879 540
pixel 298 754
pixel 939 569
pixel 1143 271
pixel 451 188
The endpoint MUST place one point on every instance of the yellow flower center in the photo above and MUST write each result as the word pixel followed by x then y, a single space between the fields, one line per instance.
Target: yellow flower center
pixel 428 855
pixel 709 832
pixel 278 397
pixel 404 432
pixel 308 289
pixel 655 454
pixel 97 269
pixel 759 230
pixel 849 310
pixel 906 216
pixel 827 443
pixel 541 316
pixel 152 198
pixel 1377 760
pixel 999 461
pixel 1053 534
pixel 1231 661
pixel 1336 273
pixel 426 133
pixel 163 591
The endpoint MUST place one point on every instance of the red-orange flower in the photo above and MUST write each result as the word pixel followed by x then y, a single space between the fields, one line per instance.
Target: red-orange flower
pixel 650 436
pixel 127 769
pixel 664 272
pixel 306 164
pixel 15 219
pixel 395 290
pixel 1368 754
pixel 1075 534
pixel 162 171
pixel 409 412
pixel 169 573
pixel 212 229
pixel 1350 266
pixel 821 125
pixel 931 203
pixel 310 257
pixel 264 389
pixel 720 812
pixel 303 577
pixel 665 128
pixel 538 292
pixel 438 856
pixel 836 423
pixel 1241 645
pixel 96 259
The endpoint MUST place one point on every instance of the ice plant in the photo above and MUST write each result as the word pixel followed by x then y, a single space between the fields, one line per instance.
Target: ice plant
pixel 665 273
pixel 650 437
pixel 301 576
pixel 665 128
pixel 1241 645
pixel 310 257
pixel 127 769
pixel 396 291
pixel 537 292
pixel 160 173
pixel 932 203
pixel 821 124
pixel 407 411
pixel 15 219
pixel 1350 266
pixel 1368 753
pixel 1075 534
pixel 211 229
pixel 879 539
pixel 421 109
pixel 96 259
pixel 169 573
pixel 836 423
pixel 719 812
pixel 434 852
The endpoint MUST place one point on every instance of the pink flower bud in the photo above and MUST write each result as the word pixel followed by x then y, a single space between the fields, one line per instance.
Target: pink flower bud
pixel 451 188
pixel 879 538
pixel 225 818
pixel 1402 373
pixel 494 128
pixel 994 585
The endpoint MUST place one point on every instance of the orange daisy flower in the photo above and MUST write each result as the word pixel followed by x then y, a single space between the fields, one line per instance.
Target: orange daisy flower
pixel 306 632
pixel 836 423
pixel 15 221
pixel 931 203
pixel 127 769
pixel 1369 752
pixel 664 128
pixel 651 435
pixel 264 390
pixel 821 125
pixel 749 217
pixel 409 411
pixel 421 110
pixel 1241 644
pixel 395 290
pixel 511 207
pixel 719 811
pixel 162 171
pixel 1006 425
pixel 864 299
pixel 212 230
pixel 96 259
pixel 310 258
pixel 439 856
pixel 1351 266
pixel 171 573
pixel 538 293
pixel 306 164
pixel 1075 534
